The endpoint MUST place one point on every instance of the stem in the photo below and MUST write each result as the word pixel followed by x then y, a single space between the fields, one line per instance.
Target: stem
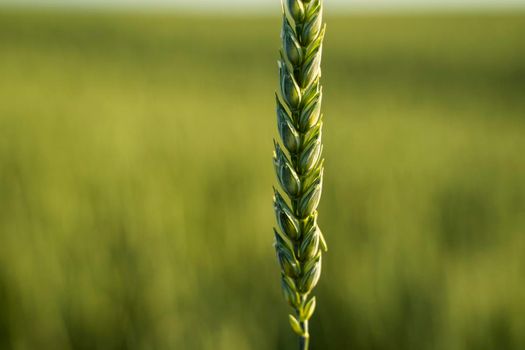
pixel 304 340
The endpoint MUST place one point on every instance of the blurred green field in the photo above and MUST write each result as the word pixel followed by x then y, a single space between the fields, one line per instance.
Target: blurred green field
pixel 136 183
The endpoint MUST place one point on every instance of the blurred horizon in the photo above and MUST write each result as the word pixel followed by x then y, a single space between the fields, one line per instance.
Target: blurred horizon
pixel 265 6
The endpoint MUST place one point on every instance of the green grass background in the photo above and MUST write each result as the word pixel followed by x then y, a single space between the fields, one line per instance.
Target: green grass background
pixel 136 183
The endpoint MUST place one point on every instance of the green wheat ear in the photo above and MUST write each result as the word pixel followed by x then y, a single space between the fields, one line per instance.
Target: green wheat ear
pixel 299 166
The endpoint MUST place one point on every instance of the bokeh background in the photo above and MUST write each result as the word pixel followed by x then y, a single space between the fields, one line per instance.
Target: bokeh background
pixel 136 176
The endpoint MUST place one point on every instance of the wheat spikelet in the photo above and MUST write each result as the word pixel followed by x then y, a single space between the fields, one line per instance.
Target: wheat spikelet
pixel 299 166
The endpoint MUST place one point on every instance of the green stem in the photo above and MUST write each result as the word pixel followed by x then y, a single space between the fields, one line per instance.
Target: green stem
pixel 304 340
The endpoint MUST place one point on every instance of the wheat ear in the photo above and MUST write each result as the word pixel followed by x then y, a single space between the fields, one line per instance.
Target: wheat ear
pixel 300 168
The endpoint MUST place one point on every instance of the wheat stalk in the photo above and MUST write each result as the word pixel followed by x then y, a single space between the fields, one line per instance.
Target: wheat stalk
pixel 300 168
